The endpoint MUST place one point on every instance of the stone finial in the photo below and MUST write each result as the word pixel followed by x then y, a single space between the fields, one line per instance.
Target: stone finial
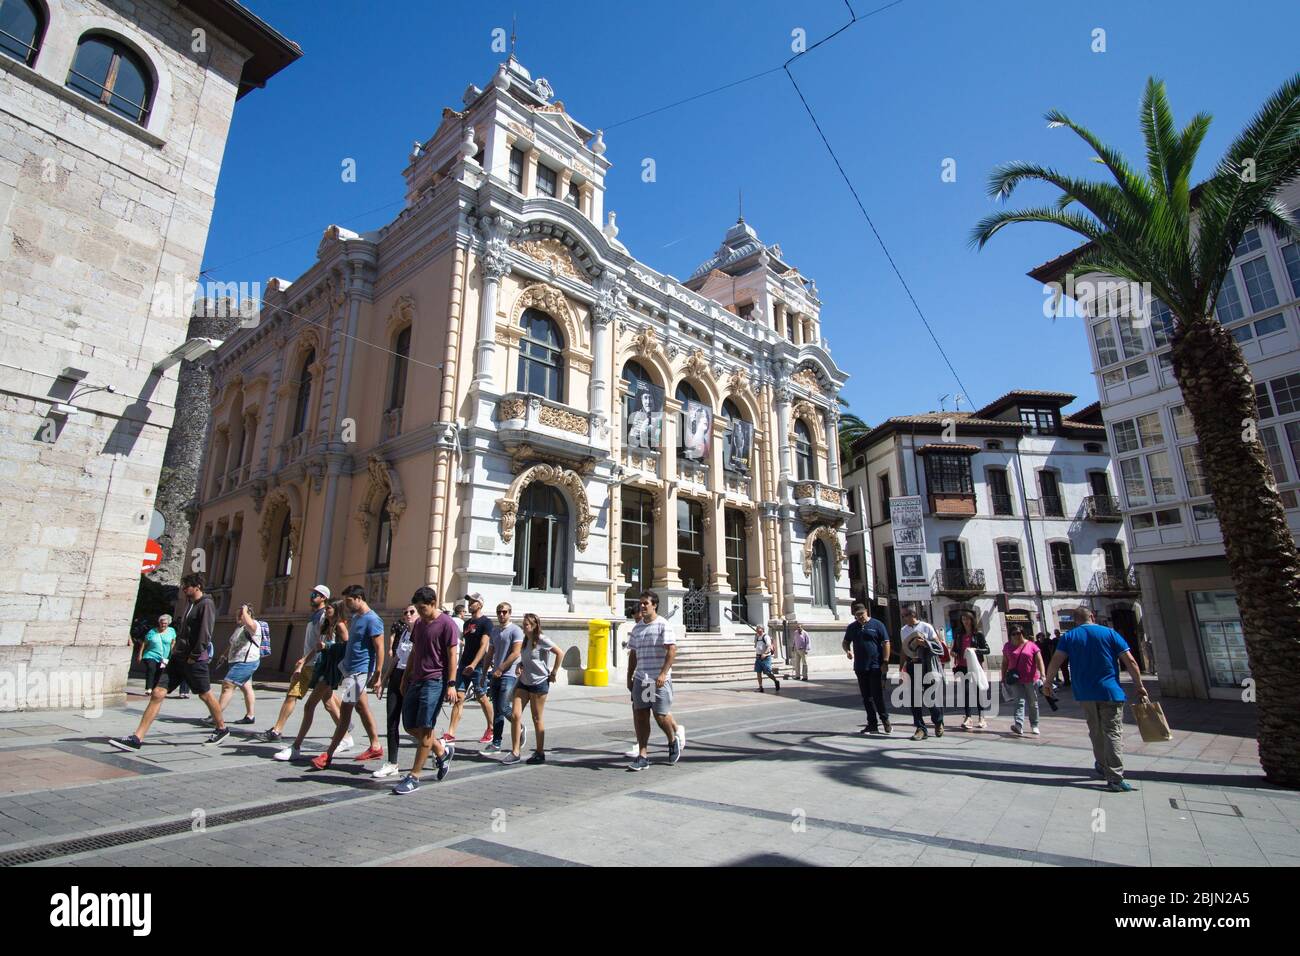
pixel 598 144
pixel 471 93
pixel 611 228
pixel 467 146
pixel 502 80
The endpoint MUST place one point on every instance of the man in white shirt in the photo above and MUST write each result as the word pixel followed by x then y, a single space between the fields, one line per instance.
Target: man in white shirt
pixel 922 666
pixel 650 653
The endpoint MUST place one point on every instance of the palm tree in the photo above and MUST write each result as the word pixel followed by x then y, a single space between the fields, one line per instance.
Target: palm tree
pixel 851 429
pixel 1155 228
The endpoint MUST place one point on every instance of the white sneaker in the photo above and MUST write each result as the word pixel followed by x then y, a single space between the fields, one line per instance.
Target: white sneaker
pixel 633 751
pixel 387 770
pixel 345 745
pixel 681 737
pixel 288 753
pixel 981 724
pixel 1034 731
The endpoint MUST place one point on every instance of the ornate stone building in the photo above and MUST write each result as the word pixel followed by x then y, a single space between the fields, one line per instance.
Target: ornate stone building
pixel 491 394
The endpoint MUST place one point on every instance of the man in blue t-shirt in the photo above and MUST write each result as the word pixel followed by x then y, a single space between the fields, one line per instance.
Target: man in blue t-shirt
pixel 363 663
pixel 866 642
pixel 1095 654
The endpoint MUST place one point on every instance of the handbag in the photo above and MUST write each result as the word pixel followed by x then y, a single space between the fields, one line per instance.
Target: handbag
pixel 1150 717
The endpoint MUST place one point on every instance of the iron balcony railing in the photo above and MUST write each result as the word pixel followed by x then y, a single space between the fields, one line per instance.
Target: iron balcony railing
pixel 1013 581
pixel 959 580
pixel 1001 504
pixel 1115 581
pixel 1102 508
pixel 1053 507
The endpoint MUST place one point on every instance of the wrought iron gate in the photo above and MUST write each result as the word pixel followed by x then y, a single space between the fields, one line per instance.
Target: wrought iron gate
pixel 695 609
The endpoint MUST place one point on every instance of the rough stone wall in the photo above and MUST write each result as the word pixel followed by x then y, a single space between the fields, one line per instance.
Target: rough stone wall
pixel 183 458
pixel 99 222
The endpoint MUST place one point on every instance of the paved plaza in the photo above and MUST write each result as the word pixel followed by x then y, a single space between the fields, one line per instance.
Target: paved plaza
pixel 766 779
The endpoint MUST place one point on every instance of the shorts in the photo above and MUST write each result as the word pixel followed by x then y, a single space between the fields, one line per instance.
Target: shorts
pixel 543 688
pixel 195 674
pixel 238 674
pixel 645 696
pixel 421 704
pixel 301 685
pixel 352 689
pixel 763 665
pixel 478 679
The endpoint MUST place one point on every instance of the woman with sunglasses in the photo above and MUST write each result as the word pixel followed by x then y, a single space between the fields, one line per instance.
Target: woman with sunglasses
pixel 399 651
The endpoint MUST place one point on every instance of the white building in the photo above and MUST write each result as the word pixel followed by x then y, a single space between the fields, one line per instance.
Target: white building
pixel 1190 606
pixel 1021 523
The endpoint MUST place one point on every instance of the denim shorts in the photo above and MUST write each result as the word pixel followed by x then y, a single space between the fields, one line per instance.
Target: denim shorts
pixel 478 678
pixel 238 674
pixel 421 703
pixel 543 688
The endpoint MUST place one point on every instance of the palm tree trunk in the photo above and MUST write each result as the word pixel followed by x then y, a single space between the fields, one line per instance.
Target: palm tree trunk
pixel 1261 553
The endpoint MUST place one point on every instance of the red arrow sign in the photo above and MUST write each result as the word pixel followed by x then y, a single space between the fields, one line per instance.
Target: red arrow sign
pixel 152 556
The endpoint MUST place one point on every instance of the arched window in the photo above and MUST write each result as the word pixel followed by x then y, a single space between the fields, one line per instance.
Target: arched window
pixel 805 463
pixel 541 539
pixel 685 393
pixel 284 549
pixel 823 583
pixel 634 374
pixel 22 25
pixel 401 359
pixel 644 412
pixel 541 365
pixel 109 73
pixel 731 411
pixel 383 539
pixel 303 400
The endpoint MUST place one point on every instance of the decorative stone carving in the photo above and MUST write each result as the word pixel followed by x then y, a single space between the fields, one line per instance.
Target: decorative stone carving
pixel 316 471
pixel 553 254
pixel 610 301
pixel 833 495
pixel 565 478
pixel 283 498
pixel 646 342
pixel 808 379
pixel 494 258
pixel 511 408
pixel 554 303
pixel 257 491
pixel 402 313
pixel 697 366
pixel 382 481
pixel 739 383
pixel 832 541
pixel 805 410
pixel 563 420
pixel 802 491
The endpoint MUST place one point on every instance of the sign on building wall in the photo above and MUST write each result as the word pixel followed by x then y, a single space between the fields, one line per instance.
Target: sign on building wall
pixel 645 415
pixel 907 516
pixel 697 431
pixel 740 441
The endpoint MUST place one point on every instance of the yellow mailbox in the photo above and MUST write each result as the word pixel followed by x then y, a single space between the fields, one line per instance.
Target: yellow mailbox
pixel 596 673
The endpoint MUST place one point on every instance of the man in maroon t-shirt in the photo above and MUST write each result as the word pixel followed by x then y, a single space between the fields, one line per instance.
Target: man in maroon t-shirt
pixel 435 649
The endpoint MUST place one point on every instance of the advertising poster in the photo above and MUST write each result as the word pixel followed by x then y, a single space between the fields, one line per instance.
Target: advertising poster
pixel 907 517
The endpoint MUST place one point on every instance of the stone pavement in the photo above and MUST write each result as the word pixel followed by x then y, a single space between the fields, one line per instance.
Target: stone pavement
pixel 765 779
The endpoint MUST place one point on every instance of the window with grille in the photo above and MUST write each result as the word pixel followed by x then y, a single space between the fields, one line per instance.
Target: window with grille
pixel 546 180
pixel 1062 566
pixel 22 25
pixel 949 475
pixel 517 169
pixel 1013 575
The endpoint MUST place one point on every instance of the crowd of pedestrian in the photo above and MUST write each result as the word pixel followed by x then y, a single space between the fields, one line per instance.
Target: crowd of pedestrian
pixel 431 660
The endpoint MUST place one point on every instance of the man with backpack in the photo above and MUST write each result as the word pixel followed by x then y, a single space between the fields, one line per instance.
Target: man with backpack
pixel 922 654
pixel 250 642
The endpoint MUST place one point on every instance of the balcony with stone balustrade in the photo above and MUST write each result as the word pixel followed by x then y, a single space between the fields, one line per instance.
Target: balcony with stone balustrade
pixel 820 503
pixel 546 428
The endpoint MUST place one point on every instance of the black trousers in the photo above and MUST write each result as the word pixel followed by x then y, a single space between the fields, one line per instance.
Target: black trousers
pixel 151 674
pixel 872 686
pixel 971 692
pixel 394 713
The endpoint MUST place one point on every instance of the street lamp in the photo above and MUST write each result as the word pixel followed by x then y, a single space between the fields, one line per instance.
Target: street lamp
pixel 190 351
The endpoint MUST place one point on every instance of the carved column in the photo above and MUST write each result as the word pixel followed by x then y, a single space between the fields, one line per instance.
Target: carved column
pixel 784 396
pixel 778 317
pixel 603 311
pixel 493 264
pixel 798 329
pixel 833 443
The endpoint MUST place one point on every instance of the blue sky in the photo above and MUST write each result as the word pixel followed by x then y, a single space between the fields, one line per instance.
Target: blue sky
pixel 897 94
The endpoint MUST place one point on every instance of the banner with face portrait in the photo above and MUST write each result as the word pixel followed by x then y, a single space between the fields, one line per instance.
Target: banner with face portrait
pixel 645 416
pixel 697 431
pixel 740 443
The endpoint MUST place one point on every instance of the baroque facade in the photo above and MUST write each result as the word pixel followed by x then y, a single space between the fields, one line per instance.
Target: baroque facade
pixel 113 122
pixel 491 394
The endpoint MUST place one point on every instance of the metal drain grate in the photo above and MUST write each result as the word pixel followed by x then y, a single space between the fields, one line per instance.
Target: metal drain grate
pixel 107 841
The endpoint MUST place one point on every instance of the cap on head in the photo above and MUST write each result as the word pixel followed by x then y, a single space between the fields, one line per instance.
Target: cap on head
pixel 471 598
pixel 323 591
